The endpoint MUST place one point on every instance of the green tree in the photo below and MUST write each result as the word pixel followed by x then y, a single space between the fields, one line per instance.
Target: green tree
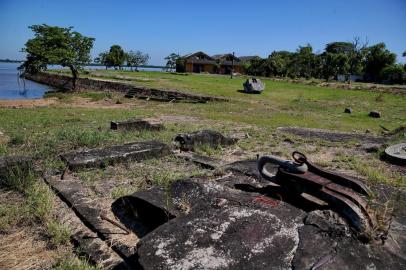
pixel 180 64
pixel 54 45
pixel 393 74
pixel 171 60
pixel 103 59
pixel 279 62
pixel 116 56
pixel 135 59
pixel 257 67
pixel 334 64
pixel 377 57
pixel 341 58
pixel 303 61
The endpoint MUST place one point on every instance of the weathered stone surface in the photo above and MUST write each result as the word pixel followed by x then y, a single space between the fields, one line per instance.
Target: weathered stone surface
pixel 348 110
pixel 65 82
pixel 253 85
pixel 17 165
pixel 225 229
pixel 97 251
pixel 236 221
pixel 332 136
pixel 374 114
pixel 188 141
pixel 101 157
pixel 137 124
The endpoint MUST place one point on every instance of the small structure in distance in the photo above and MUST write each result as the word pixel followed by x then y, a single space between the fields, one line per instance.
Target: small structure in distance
pixel 253 86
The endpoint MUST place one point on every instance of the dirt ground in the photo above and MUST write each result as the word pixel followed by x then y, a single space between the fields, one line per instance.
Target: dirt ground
pixel 22 103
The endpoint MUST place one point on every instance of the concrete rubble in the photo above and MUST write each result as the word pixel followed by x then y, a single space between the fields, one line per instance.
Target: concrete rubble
pixel 137 124
pixel 333 136
pixel 102 157
pixel 240 222
pixel 188 141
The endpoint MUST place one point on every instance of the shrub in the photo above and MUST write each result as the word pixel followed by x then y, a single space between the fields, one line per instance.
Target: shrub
pixel 393 74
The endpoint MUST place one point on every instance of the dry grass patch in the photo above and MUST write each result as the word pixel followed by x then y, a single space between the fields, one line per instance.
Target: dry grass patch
pixel 24 249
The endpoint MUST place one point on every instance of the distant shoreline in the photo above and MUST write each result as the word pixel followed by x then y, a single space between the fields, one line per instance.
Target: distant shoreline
pixel 10 61
pixel 91 64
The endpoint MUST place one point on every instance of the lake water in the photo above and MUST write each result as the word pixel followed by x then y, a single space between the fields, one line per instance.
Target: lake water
pixel 13 87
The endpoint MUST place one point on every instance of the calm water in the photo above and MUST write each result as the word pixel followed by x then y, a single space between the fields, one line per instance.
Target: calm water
pixel 13 87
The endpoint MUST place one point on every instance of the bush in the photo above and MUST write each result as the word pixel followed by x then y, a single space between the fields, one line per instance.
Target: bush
pixel 393 74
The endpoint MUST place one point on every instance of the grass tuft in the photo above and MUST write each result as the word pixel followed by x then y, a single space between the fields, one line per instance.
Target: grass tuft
pixel 59 233
pixel 74 263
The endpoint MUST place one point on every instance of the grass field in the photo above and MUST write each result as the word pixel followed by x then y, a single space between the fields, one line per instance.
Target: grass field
pixel 280 104
pixel 68 121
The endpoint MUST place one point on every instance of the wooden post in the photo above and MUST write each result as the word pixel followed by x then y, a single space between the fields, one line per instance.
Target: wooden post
pixel 232 66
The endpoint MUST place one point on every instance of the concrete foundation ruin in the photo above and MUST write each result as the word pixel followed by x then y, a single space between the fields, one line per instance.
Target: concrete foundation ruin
pixel 211 138
pixel 137 124
pixel 102 157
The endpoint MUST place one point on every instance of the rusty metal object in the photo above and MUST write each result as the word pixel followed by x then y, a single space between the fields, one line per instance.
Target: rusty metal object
pixel 345 194
pixel 115 223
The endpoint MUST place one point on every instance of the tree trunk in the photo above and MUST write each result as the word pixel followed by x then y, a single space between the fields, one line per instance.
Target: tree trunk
pixel 74 77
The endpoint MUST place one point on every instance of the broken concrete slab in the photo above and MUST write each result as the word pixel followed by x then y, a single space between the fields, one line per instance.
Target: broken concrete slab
pixel 236 221
pixel 188 141
pixel 102 157
pixel 145 210
pixel 137 124
pixel 332 136
pixel 224 229
pixel 96 250
pixel 89 210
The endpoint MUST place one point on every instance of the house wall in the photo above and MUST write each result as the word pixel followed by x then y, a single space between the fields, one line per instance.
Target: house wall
pixel 210 68
pixel 189 67
pixel 205 67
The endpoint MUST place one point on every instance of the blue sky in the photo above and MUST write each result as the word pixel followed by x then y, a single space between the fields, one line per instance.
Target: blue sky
pixel 254 27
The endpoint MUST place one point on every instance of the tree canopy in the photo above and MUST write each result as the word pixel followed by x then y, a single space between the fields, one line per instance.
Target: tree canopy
pixel 135 59
pixel 58 46
pixel 377 57
pixel 116 56
pixel 373 63
pixel 171 60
